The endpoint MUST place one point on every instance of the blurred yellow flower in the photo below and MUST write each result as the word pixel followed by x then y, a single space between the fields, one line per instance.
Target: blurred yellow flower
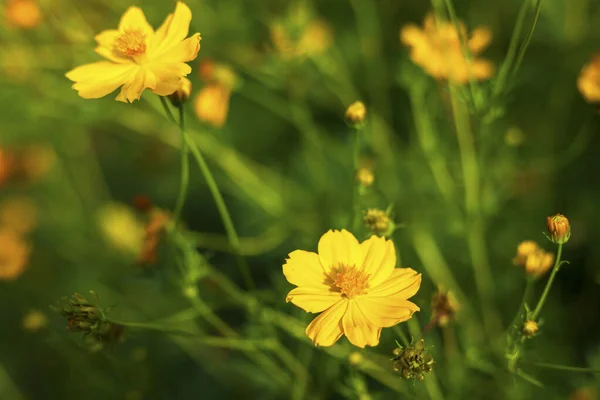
pixel 120 227
pixel 212 104
pixel 312 38
pixel 533 258
pixel 7 165
pixel 139 57
pixel 14 254
pixel 19 214
pixel 22 13
pixel 588 82
pixel 356 112
pixel 34 321
pixel 355 285
pixel 436 48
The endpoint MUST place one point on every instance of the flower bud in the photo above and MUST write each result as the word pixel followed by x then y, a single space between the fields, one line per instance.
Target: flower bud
pixel 530 328
pixel 356 113
pixel 444 307
pixel 378 221
pixel 558 228
pixel 182 94
pixel 365 176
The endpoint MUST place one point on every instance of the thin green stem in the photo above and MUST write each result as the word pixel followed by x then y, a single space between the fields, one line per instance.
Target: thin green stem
pixel 223 210
pixel 540 305
pixel 151 326
pixel 526 296
pixel 525 45
pixel 563 367
pixel 165 106
pixel 185 168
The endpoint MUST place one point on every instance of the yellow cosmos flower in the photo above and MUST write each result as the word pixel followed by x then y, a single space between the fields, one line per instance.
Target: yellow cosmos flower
pixel 355 285
pixel 437 49
pixel 588 82
pixel 139 58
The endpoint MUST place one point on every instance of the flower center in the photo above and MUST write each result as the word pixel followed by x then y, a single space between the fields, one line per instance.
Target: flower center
pixel 351 281
pixel 130 43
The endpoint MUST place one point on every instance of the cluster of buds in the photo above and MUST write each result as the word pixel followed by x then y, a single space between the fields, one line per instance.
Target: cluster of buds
pixel 412 361
pixel 559 229
pixel 535 260
pixel 379 222
pixel 86 317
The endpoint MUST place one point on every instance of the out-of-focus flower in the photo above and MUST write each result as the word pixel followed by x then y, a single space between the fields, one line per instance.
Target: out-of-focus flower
pixel 356 113
pixel 514 137
pixel 355 358
pixel 139 58
pixel 34 321
pixel 212 104
pixel 36 161
pixel 14 254
pixel 584 393
pixel 365 176
pixel 378 221
pixel 534 259
pixel 588 82
pixel 437 49
pixel 214 72
pixel 355 286
pixel 22 13
pixel 7 165
pixel 19 214
pixel 121 228
pixel 17 63
pixel 142 202
pixel 412 361
pixel 154 230
pixel 444 307
pixel 530 328
pixel 182 94
pixel 559 228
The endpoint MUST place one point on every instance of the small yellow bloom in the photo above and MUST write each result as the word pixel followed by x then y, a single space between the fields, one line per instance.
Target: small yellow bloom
pixel 22 13
pixel 212 104
pixel 588 82
pixel 530 328
pixel 14 254
pixel 355 286
pixel 437 49
pixel 120 227
pixel 524 250
pixel 34 321
pixel 365 176
pixel 139 57
pixel 533 258
pixel 356 112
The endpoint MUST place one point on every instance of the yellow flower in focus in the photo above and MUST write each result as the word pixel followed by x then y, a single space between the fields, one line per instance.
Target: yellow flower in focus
pixel 436 48
pixel 14 254
pixel 139 58
pixel 355 286
pixel 121 228
pixel 212 104
pixel 22 13
pixel 19 214
pixel 34 321
pixel 588 82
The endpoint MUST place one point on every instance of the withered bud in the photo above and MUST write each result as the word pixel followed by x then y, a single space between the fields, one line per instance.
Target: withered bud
pixel 559 228
pixel 444 307
pixel 412 361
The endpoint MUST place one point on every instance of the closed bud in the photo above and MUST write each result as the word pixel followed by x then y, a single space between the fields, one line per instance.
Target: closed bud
pixel 559 228
pixel 182 94
pixel 378 222
pixel 356 113
pixel 530 328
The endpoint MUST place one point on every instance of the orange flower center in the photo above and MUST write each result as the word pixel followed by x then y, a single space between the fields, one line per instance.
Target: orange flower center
pixel 130 43
pixel 351 281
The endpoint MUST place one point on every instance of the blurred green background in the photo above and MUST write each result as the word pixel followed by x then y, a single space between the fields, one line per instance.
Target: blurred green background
pixel 284 161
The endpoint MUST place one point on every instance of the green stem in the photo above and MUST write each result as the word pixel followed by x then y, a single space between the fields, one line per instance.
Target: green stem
pixel 223 210
pixel 563 367
pixel 151 326
pixel 540 305
pixel 526 296
pixel 525 45
pixel 185 169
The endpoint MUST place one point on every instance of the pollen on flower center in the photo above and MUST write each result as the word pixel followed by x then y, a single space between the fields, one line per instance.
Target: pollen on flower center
pixel 351 282
pixel 130 43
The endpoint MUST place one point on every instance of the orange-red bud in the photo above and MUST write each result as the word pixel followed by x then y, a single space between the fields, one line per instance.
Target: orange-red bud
pixel 558 228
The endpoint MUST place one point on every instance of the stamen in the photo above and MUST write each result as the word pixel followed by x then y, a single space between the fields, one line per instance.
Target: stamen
pixel 351 281
pixel 130 43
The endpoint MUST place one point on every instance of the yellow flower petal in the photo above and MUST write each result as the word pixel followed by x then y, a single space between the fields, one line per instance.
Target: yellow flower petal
pixel 303 268
pixel 379 259
pixel 101 78
pixel 403 282
pixel 134 19
pixel 412 35
pixel 313 300
pixel 339 248
pixel 386 311
pixel 133 88
pixel 326 329
pixel 173 30
pixel 480 39
pixel 357 328
pixel 182 51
